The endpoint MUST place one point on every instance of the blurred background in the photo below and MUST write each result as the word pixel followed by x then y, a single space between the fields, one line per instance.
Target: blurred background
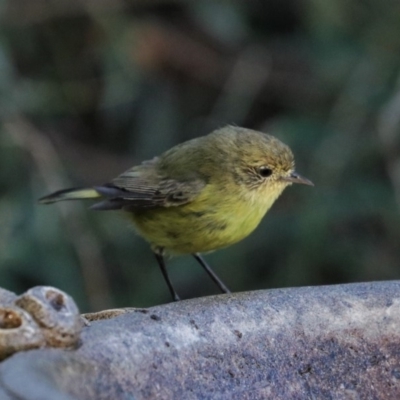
pixel 90 88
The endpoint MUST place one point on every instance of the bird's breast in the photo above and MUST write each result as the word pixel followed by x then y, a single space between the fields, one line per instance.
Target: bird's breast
pixel 204 225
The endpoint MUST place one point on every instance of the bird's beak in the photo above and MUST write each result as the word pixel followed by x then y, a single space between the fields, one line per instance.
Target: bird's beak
pixel 294 177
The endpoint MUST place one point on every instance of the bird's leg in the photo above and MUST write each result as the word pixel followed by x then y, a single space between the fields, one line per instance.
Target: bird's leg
pixel 161 263
pixel 211 273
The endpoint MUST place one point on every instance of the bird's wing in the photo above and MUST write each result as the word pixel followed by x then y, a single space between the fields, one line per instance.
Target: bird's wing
pixel 140 187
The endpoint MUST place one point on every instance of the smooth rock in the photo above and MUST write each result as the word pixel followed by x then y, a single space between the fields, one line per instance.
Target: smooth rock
pixel 332 342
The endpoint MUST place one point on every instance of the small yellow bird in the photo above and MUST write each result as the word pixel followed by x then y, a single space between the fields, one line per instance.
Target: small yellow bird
pixel 199 196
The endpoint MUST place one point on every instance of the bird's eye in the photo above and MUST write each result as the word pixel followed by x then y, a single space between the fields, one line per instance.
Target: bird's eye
pixel 265 172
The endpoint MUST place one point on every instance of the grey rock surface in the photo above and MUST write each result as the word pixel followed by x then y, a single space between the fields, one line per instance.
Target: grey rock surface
pixel 6 297
pixel 42 317
pixel 55 313
pixel 333 342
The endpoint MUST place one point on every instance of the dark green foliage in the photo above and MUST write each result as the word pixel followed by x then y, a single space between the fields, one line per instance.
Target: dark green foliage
pixel 86 93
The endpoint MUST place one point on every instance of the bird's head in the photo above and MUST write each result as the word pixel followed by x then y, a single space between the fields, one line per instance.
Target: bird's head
pixel 264 164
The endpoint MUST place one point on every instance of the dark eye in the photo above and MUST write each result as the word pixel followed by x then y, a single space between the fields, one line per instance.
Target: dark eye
pixel 265 172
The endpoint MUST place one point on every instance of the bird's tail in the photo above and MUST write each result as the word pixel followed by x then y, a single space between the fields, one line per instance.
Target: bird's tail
pixel 70 194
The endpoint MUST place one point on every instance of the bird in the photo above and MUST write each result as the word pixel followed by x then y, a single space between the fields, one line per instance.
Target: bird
pixel 201 195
